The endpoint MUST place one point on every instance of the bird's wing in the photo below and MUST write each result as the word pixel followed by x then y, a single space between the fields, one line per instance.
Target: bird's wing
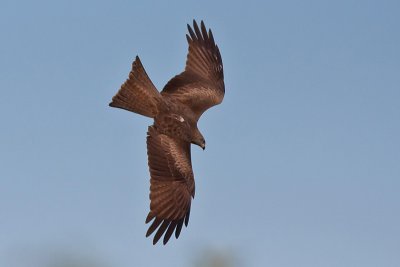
pixel 171 184
pixel 138 94
pixel 201 85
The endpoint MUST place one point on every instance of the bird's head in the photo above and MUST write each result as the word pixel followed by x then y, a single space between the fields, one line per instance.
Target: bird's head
pixel 197 137
pixel 200 142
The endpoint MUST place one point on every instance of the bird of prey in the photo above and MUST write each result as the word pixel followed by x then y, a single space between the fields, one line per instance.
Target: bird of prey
pixel 175 110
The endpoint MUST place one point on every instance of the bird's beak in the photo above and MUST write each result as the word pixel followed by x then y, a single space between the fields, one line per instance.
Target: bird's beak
pixel 203 146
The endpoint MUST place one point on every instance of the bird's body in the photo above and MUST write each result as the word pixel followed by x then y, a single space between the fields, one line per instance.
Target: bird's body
pixel 178 117
pixel 176 111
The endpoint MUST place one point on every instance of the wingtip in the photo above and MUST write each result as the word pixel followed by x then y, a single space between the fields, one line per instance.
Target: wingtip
pixel 147 233
pixel 187 218
pixel 149 217
pixel 195 28
pixel 211 37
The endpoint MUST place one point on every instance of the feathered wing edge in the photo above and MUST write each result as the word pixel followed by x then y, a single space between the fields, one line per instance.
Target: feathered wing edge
pixel 204 57
pixel 201 85
pixel 171 185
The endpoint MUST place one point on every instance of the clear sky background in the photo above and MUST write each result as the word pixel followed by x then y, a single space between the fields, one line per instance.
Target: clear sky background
pixel 302 166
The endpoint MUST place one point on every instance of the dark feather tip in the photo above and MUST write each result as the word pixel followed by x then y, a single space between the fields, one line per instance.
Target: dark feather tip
pixel 169 232
pixel 178 228
pixel 160 231
pixel 149 217
pixel 197 31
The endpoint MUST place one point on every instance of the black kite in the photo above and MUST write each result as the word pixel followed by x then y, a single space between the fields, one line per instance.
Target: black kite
pixel 176 111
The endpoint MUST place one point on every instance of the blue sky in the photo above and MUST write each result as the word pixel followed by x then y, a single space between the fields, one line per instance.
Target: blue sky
pixel 302 166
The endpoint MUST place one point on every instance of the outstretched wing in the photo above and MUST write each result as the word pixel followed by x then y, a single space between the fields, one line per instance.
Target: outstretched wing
pixel 201 85
pixel 171 184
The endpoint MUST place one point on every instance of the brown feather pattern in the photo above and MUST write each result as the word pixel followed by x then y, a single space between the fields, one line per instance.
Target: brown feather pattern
pixel 176 111
pixel 171 182
pixel 138 94
pixel 201 85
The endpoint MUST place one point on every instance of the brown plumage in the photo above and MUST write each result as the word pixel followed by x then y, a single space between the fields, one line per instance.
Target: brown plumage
pixel 176 111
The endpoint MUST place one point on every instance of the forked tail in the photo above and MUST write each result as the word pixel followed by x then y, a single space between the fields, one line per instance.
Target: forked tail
pixel 138 94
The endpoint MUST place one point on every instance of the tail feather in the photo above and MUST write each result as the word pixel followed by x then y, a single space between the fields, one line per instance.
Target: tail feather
pixel 138 94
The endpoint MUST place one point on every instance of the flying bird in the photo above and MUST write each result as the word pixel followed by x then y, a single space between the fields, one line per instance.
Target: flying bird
pixel 176 111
